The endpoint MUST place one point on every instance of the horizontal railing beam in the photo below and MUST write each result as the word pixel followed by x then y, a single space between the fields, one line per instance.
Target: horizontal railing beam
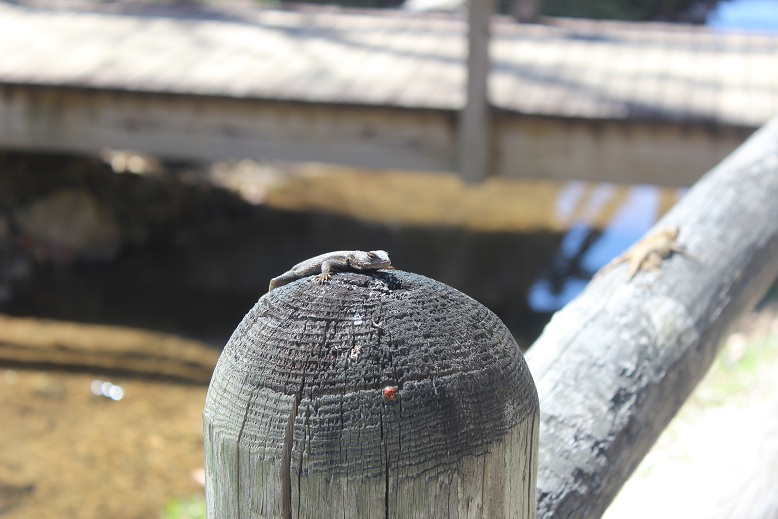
pixel 175 126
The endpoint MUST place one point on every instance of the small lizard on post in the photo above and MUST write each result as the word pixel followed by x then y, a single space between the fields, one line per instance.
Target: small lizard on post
pixel 649 252
pixel 325 264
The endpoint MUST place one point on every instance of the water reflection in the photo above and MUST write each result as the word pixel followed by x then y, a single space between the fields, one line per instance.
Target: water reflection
pixel 759 15
pixel 604 220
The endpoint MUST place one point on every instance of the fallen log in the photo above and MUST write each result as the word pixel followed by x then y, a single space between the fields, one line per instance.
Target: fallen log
pixel 614 366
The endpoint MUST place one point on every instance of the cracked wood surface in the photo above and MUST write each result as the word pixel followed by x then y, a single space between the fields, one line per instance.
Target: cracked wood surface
pixel 614 366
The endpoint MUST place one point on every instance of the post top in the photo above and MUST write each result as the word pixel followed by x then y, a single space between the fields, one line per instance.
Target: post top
pixel 366 353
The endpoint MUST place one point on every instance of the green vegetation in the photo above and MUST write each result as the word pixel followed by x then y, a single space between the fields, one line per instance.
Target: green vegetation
pixel 742 368
pixel 191 508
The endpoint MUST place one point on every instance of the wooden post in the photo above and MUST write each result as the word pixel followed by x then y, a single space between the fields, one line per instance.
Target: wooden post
pixel 526 10
pixel 474 148
pixel 384 395
pixel 614 366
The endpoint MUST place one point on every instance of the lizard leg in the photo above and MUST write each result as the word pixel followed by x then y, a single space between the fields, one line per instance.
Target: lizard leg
pixel 682 250
pixel 634 269
pixel 639 263
pixel 653 261
pixel 611 265
pixel 328 267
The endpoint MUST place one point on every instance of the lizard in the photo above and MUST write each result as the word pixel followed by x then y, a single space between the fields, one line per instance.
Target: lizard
pixel 325 264
pixel 649 252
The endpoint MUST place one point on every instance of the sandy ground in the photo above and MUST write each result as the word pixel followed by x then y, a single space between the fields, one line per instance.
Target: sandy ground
pixel 66 452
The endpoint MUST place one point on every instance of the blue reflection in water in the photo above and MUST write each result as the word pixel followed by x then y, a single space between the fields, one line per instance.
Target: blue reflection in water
pixel 759 15
pixel 632 220
pixel 584 249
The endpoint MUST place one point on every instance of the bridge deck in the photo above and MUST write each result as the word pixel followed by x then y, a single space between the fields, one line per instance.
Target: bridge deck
pixel 567 68
pixel 613 102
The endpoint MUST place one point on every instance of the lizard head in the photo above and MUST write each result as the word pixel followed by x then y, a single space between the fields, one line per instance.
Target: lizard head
pixel 372 260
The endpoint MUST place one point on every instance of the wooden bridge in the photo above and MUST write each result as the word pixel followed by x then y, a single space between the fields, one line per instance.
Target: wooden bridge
pixel 618 102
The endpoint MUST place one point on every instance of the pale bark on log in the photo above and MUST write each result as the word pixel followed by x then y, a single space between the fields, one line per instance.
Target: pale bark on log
pixel 614 366
pixel 298 424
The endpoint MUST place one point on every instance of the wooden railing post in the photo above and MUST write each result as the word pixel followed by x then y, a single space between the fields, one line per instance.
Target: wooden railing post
pixel 475 119
pixel 526 10
pixel 371 396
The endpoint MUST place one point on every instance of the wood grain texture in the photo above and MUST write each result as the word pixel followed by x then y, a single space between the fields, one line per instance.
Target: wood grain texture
pixel 297 424
pixel 613 367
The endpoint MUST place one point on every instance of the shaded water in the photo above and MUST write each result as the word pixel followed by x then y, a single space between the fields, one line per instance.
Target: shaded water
pixel 524 249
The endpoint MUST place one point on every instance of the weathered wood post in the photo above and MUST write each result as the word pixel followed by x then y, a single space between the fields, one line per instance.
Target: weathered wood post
pixel 526 10
pixel 474 139
pixel 384 394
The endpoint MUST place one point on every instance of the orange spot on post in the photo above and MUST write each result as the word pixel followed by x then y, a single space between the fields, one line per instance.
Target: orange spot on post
pixel 390 392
